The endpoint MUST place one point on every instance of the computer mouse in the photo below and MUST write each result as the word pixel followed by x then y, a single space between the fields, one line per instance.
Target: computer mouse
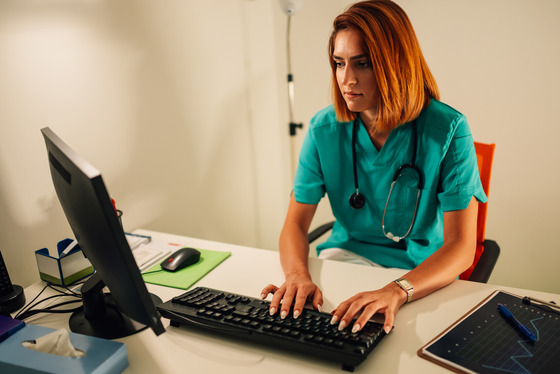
pixel 181 259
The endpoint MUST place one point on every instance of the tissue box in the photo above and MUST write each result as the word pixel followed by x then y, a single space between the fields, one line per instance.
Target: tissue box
pixel 63 270
pixel 101 355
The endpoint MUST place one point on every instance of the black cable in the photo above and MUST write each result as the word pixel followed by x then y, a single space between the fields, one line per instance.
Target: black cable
pixel 68 292
pixel 31 307
pixel 29 303
pixel 354 133
pixel 32 304
pixel 50 309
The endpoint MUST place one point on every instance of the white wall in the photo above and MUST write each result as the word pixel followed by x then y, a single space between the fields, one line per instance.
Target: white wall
pixel 497 62
pixel 182 105
pixel 177 105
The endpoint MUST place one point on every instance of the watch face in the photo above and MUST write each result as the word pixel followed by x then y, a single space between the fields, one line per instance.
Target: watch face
pixel 406 283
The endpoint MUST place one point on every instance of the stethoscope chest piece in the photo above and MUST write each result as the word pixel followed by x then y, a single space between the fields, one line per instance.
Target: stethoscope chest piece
pixel 357 200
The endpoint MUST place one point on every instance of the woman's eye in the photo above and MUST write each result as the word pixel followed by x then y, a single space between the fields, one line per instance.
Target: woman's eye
pixel 364 64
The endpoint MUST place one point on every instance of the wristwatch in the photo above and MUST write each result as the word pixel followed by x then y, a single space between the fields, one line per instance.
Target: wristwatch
pixel 407 287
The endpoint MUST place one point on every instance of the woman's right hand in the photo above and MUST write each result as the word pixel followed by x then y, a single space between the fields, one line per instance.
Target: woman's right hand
pixel 296 290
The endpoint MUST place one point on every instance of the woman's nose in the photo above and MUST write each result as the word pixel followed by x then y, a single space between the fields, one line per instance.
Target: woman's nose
pixel 348 77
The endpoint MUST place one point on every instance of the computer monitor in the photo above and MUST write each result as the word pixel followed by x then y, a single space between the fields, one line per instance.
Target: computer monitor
pixel 129 307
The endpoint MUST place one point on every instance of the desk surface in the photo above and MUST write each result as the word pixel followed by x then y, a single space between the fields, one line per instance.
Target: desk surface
pixel 247 271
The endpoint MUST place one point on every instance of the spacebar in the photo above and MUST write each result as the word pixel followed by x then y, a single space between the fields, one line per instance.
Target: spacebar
pixel 209 324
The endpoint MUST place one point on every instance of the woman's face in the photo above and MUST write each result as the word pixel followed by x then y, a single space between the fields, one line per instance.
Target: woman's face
pixel 354 73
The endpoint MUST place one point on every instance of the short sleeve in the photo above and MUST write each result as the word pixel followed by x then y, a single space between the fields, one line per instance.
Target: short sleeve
pixel 309 185
pixel 459 178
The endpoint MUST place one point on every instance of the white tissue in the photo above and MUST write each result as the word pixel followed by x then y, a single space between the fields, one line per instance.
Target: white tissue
pixel 56 343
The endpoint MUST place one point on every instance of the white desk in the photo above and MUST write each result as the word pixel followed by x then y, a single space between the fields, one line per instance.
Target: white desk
pixel 247 271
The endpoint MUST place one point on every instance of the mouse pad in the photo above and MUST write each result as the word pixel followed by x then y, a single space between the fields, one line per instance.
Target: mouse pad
pixel 188 276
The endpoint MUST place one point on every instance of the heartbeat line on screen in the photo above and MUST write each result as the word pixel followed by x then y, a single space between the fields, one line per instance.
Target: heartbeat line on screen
pixel 514 366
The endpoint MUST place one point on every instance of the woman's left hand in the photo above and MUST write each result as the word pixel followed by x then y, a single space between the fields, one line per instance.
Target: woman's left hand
pixel 386 300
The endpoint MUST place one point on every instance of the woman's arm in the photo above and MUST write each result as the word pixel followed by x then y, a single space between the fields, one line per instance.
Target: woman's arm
pixel 294 254
pixel 441 268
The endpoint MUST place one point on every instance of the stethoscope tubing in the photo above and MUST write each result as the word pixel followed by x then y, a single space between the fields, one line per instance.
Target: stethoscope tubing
pixel 357 200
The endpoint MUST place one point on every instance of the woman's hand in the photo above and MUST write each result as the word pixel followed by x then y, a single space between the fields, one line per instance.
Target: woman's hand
pixel 294 253
pixel 296 290
pixel 386 300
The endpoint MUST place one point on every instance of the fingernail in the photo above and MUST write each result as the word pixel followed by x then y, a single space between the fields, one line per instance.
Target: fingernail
pixel 387 329
pixel 283 314
pixel 356 327
pixel 263 296
pixel 272 311
pixel 319 308
pixel 341 325
pixel 334 320
pixel 296 313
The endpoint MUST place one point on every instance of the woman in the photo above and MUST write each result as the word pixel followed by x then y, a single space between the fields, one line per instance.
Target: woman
pixel 386 114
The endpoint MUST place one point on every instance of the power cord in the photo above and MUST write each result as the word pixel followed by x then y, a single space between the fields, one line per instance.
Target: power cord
pixel 31 308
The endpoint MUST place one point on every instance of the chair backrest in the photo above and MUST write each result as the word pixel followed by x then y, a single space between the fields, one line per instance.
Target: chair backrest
pixel 485 157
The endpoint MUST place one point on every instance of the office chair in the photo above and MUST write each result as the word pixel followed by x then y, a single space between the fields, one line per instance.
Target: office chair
pixel 487 251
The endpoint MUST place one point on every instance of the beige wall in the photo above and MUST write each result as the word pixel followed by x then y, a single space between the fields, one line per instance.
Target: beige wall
pixel 182 105
pixel 497 62
pixel 176 104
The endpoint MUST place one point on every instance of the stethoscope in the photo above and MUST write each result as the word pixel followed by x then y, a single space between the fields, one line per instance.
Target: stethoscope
pixel 358 201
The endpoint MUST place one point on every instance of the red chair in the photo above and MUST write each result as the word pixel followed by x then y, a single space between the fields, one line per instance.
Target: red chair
pixel 487 251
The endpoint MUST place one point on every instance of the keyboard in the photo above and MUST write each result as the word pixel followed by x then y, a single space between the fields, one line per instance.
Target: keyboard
pixel 248 318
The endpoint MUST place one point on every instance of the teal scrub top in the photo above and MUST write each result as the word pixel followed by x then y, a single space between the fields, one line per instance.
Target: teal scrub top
pixel 445 155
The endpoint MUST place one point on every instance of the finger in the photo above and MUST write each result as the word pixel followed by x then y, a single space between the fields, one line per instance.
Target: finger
pixel 299 302
pixel 270 289
pixel 339 312
pixel 389 320
pixel 287 300
pixel 354 308
pixel 318 300
pixel 276 298
pixel 364 317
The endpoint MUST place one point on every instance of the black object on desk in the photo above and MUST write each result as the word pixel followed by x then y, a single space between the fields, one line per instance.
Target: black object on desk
pixel 181 259
pixel 483 341
pixel 248 318
pixel 11 296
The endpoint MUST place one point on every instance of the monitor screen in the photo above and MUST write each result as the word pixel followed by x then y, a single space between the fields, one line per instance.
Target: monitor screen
pixel 129 307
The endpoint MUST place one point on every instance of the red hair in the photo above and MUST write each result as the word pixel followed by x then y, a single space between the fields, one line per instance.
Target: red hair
pixel 405 83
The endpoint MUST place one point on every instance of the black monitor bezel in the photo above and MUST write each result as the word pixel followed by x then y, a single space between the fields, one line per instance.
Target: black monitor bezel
pixel 92 218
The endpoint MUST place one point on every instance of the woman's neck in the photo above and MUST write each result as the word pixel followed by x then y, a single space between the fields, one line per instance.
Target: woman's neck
pixel 378 138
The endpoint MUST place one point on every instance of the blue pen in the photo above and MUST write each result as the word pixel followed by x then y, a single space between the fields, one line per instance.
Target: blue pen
pixel 522 328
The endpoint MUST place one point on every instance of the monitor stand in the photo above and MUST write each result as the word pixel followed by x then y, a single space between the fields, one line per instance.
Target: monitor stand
pixel 100 316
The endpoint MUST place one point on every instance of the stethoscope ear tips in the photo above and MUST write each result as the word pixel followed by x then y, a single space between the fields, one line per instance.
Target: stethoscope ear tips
pixel 357 200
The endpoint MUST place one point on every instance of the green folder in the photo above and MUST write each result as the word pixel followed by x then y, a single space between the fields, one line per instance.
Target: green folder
pixel 188 276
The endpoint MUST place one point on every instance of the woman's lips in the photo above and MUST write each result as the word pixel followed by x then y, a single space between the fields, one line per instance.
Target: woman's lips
pixel 352 95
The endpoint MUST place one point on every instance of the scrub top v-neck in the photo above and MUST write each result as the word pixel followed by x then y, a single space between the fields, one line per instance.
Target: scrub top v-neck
pixel 445 155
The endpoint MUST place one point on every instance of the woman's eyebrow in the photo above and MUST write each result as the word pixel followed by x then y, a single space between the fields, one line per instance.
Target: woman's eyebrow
pixel 351 58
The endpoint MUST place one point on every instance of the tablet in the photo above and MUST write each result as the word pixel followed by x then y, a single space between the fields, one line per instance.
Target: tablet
pixel 483 341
